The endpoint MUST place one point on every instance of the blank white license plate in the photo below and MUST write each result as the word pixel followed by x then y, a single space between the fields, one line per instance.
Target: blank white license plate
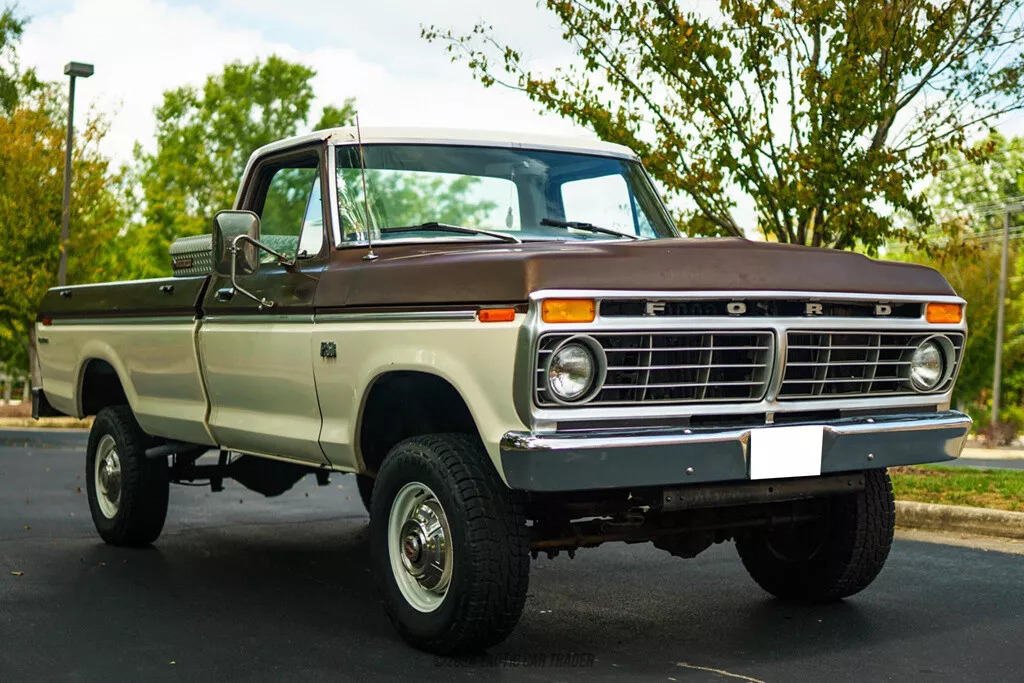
pixel 780 452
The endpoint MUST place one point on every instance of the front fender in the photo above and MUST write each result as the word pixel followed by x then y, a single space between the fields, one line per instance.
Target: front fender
pixel 477 359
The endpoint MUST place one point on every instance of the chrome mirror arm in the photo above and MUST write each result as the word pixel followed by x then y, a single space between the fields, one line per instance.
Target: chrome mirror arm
pixel 234 249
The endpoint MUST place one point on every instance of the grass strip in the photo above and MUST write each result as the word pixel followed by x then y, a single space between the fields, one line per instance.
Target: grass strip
pixel 988 488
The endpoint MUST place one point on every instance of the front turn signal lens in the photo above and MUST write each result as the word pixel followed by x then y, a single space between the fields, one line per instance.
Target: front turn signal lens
pixel 944 313
pixel 497 315
pixel 568 310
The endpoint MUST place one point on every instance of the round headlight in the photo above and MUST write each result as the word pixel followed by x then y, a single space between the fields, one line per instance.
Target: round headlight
pixel 927 366
pixel 571 372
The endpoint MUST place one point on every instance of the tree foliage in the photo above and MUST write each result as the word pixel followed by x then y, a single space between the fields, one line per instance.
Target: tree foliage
pixel 985 174
pixel 31 180
pixel 824 112
pixel 204 137
pixel 969 198
pixel 11 28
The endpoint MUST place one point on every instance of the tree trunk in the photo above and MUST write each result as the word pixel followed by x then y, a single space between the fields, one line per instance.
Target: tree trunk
pixel 8 383
pixel 25 391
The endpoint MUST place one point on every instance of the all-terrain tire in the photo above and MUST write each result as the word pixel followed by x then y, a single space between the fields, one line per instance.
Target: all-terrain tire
pixel 831 559
pixel 141 507
pixel 489 545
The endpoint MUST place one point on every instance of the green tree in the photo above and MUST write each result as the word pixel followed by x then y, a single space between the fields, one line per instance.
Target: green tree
pixel 988 172
pixel 969 197
pixel 824 112
pixel 11 28
pixel 204 137
pixel 31 176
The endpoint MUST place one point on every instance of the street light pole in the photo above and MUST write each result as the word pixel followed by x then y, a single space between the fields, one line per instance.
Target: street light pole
pixel 997 369
pixel 74 70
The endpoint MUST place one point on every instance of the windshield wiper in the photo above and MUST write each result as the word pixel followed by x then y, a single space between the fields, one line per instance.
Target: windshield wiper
pixel 578 225
pixel 445 227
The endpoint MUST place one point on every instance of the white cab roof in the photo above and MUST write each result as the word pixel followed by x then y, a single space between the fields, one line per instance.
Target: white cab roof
pixel 453 136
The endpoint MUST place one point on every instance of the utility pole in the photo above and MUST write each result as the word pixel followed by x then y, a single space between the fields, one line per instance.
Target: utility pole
pixel 74 70
pixel 1001 312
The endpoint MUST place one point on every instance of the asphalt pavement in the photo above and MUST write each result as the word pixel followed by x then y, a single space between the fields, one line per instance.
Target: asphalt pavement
pixel 241 587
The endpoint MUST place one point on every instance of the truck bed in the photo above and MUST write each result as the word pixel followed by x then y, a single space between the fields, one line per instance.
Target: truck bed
pixel 144 330
pixel 159 297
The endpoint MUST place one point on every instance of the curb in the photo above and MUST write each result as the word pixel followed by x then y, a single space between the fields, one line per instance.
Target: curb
pixel 960 519
pixel 44 423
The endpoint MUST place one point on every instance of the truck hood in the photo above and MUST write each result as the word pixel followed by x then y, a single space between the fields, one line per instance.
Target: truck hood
pixel 473 274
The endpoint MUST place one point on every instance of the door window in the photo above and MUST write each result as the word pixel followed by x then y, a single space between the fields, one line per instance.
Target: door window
pixel 287 210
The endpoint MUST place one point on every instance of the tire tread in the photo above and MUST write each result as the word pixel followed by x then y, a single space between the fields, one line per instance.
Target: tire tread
pixel 858 545
pixel 497 546
pixel 144 483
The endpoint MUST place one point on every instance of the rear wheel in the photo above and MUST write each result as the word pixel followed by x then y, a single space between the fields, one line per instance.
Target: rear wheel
pixel 127 492
pixel 449 545
pixel 829 558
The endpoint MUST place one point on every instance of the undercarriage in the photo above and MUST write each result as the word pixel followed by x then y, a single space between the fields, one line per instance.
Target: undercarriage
pixel 682 520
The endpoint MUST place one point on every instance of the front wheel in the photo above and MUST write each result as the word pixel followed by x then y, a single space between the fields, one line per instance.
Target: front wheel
pixel 127 492
pixel 832 557
pixel 449 545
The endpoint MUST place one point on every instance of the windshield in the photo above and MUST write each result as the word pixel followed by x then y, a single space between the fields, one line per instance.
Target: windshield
pixel 531 195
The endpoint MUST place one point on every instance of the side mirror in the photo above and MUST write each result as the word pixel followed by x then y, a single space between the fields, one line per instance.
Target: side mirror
pixel 228 225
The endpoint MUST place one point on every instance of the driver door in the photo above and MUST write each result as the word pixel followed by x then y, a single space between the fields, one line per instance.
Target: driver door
pixel 257 362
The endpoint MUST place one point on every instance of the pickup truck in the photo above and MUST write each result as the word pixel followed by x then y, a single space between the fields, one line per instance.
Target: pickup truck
pixel 508 343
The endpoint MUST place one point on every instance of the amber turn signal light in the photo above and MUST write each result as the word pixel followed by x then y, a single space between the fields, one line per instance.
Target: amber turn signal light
pixel 944 313
pixel 568 310
pixel 497 315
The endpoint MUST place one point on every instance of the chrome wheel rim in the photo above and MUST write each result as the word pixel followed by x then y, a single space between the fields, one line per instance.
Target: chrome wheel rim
pixel 419 545
pixel 107 471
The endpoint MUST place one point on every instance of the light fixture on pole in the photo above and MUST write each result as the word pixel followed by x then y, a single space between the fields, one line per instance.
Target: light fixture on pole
pixel 73 70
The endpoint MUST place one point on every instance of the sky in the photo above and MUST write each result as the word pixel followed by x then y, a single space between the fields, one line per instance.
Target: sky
pixel 367 49
pixel 370 50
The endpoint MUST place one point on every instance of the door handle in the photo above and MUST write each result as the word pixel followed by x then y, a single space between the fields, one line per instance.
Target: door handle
pixel 225 293
pixel 167 289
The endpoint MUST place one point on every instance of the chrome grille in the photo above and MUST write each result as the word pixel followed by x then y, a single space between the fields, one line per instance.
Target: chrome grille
pixel 673 366
pixel 829 364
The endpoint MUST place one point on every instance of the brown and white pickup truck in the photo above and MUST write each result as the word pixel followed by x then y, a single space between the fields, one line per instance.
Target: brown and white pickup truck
pixel 506 341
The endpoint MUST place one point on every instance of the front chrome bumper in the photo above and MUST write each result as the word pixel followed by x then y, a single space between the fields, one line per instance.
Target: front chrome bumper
pixel 658 457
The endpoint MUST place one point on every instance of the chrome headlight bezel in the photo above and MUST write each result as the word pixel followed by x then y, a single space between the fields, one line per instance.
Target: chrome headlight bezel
pixel 947 357
pixel 600 370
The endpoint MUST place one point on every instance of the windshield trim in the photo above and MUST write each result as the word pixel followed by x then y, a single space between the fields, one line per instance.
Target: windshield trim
pixel 497 144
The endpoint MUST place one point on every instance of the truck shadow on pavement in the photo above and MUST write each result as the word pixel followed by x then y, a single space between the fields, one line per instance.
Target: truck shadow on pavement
pixel 250 584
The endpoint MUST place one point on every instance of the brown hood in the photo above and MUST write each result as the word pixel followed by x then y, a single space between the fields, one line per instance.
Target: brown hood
pixel 456 274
